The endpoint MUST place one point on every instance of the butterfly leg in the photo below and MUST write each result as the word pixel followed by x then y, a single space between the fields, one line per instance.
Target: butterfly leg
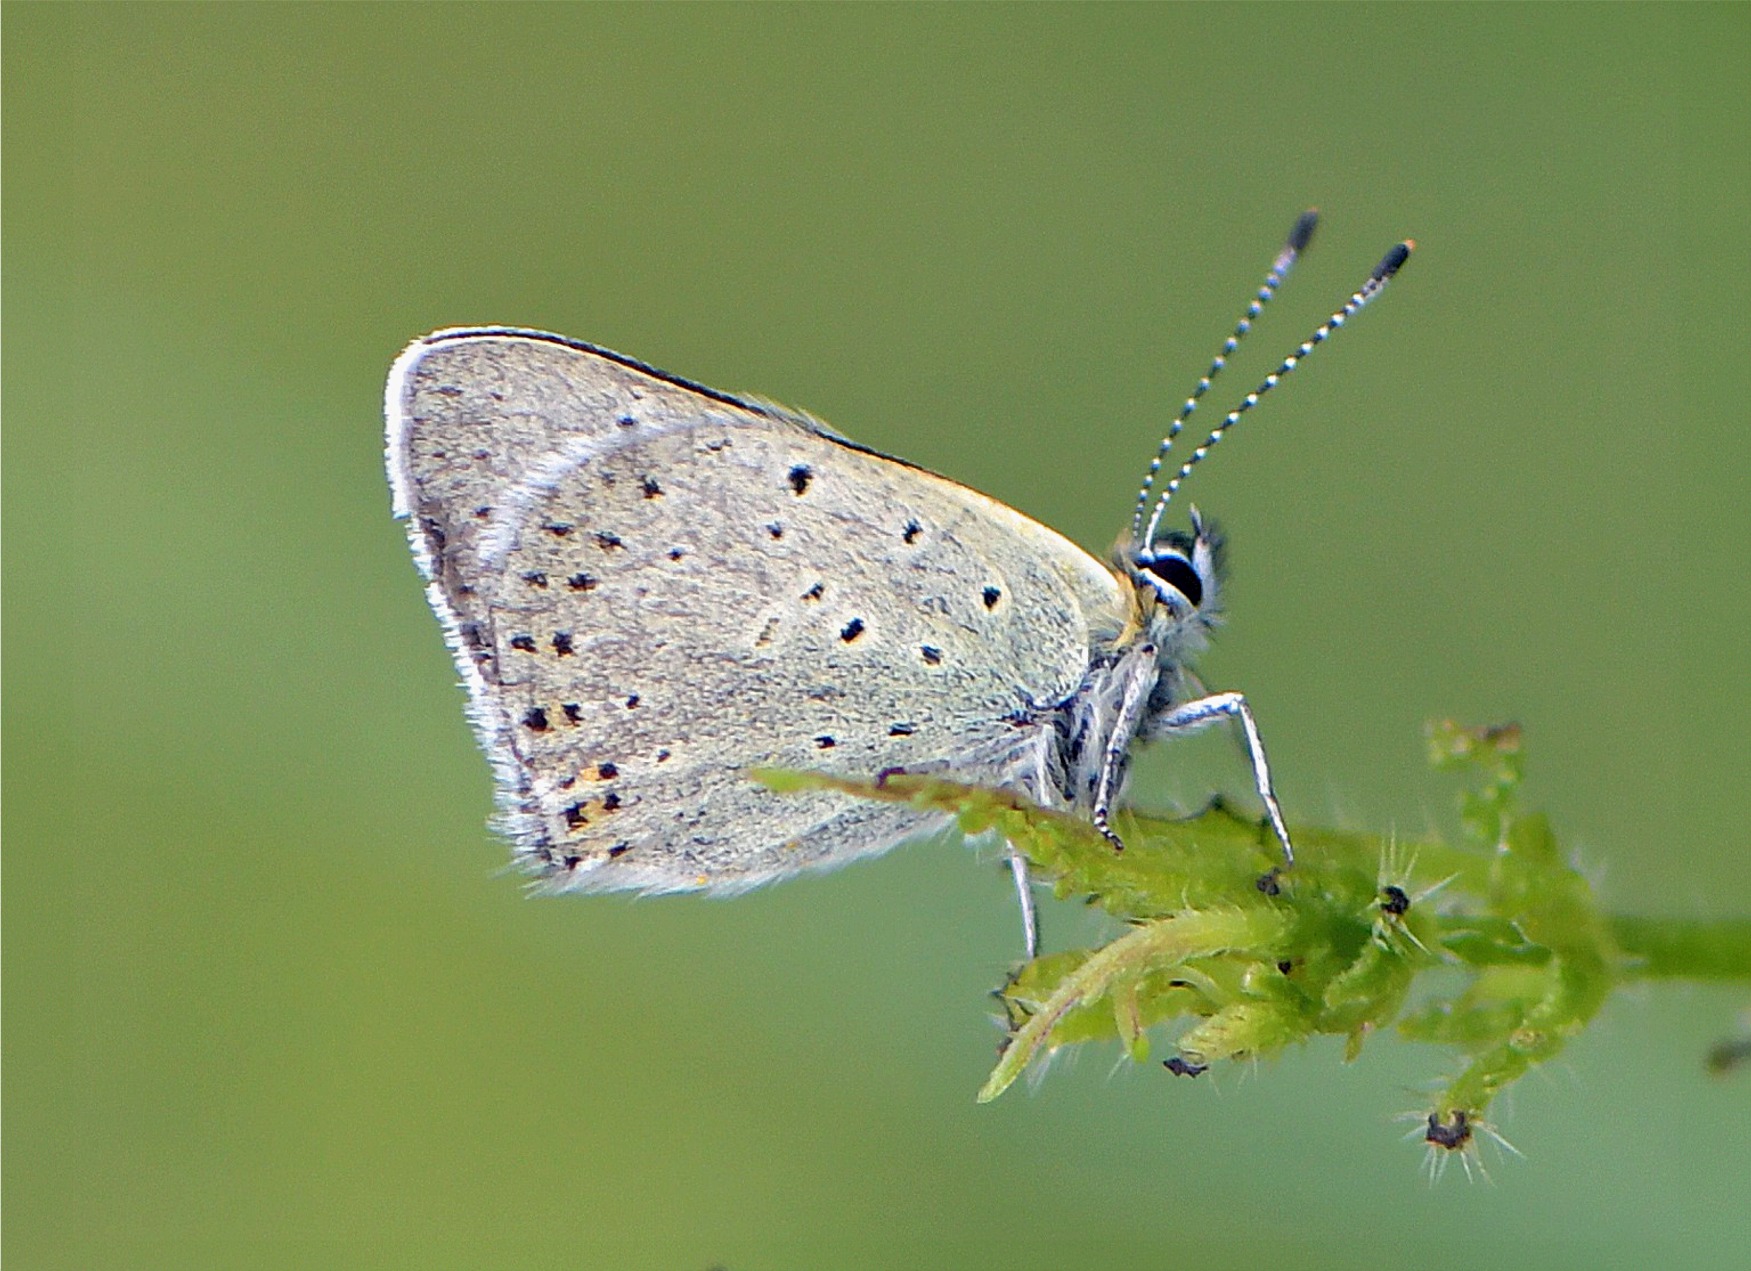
pixel 1024 893
pixel 1139 681
pixel 1038 773
pixel 1207 710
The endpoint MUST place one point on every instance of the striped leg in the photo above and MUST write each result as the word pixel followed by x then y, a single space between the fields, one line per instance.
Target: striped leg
pixel 1207 710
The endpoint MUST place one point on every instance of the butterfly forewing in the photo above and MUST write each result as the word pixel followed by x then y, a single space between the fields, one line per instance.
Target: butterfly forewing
pixel 652 588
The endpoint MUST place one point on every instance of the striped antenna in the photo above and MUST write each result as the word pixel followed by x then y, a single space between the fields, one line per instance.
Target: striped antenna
pixel 1293 246
pixel 1383 272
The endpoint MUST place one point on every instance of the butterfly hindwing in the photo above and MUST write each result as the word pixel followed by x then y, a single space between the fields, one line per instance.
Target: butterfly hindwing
pixel 652 587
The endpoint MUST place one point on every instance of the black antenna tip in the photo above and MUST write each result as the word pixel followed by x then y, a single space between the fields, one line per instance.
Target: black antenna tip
pixel 1302 233
pixel 1393 261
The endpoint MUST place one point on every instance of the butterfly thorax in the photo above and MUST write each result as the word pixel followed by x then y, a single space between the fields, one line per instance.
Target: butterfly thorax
pixel 1142 673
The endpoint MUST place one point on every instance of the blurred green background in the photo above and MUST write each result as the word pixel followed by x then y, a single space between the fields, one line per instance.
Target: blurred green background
pixel 269 1004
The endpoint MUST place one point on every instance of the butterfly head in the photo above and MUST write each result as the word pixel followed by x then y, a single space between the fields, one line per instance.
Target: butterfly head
pixel 1180 571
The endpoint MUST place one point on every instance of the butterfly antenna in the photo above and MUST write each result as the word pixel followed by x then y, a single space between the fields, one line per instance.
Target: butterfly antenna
pixel 1293 246
pixel 1389 265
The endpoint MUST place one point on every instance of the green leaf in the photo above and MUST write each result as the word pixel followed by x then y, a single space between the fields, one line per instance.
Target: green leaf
pixel 1496 946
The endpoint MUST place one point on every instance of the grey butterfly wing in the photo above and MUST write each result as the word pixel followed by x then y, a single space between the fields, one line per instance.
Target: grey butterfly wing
pixel 651 587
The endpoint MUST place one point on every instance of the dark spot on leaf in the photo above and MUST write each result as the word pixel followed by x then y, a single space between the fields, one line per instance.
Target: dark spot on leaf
pixel 562 644
pixel 775 529
pixel 610 801
pixel 992 595
pixel 800 476
pixel 581 582
pixel 651 489
pixel 852 630
pixel 574 816
pixel 607 771
pixel 536 720
pixel 675 553
pixel 912 531
pixel 574 713
pixel 931 655
pixel 632 702
pixel 523 643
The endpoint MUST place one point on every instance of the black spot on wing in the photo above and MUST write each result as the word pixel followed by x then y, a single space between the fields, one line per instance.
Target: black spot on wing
pixel 800 477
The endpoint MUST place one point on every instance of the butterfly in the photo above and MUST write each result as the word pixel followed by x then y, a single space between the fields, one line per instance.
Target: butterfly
pixel 651 587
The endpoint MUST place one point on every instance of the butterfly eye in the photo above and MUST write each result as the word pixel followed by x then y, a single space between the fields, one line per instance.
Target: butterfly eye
pixel 1177 572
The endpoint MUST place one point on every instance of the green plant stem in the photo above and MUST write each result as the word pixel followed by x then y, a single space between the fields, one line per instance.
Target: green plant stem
pixel 1716 950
